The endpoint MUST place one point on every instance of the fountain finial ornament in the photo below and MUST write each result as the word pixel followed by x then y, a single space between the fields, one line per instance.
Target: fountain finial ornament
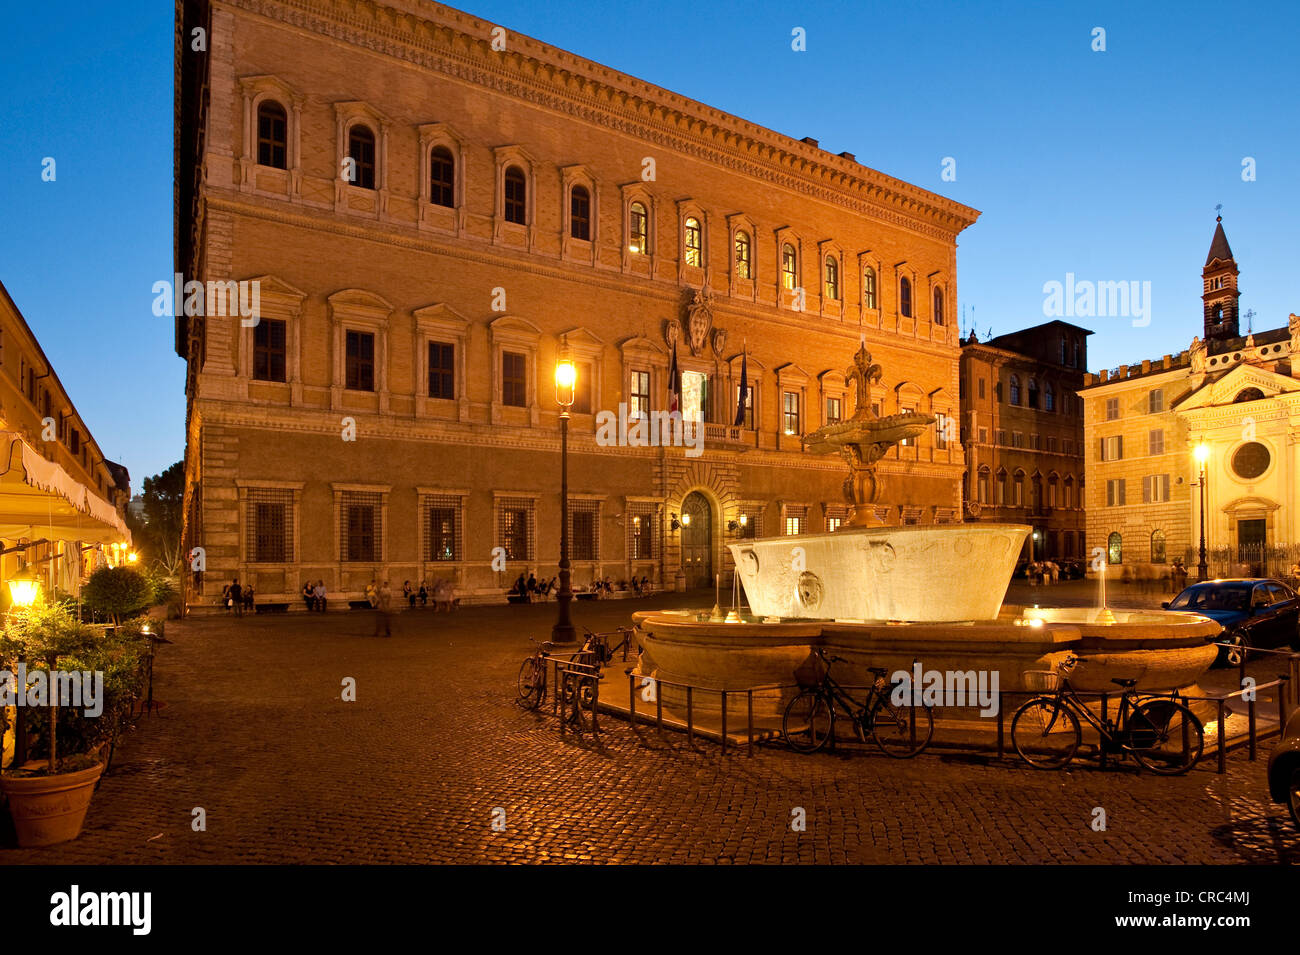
pixel 864 439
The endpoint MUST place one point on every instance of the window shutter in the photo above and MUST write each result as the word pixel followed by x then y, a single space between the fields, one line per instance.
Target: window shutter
pixel 1122 487
pixel 1146 489
pixel 1119 447
pixel 1164 487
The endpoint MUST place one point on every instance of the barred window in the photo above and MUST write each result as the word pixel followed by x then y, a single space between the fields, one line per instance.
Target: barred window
pixel 796 519
pixel 751 521
pixel 641 532
pixel 584 530
pixel 444 520
pixel 268 522
pixel 361 526
pixel 836 515
pixel 515 527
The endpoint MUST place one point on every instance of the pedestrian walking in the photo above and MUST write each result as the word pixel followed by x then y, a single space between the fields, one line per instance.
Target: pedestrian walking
pixel 384 606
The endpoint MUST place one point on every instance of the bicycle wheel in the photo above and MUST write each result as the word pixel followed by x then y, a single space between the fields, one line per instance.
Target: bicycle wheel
pixel 1045 733
pixel 808 723
pixel 580 704
pixel 532 683
pixel 901 731
pixel 1166 737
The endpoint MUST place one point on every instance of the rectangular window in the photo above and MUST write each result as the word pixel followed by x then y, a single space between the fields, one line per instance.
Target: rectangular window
pixel 360 526
pixel 269 525
pixel 748 421
pixel 1156 441
pixel 984 435
pixel 695 395
pixel 639 391
pixel 583 388
pixel 442 370
pixel 944 428
pixel 1156 401
pixel 1017 439
pixel 74 440
pixel 1112 409
pixel 641 532
pixel 981 387
pixel 1155 488
pixel 584 530
pixel 790 412
pixel 1002 438
pixel 1112 448
pixel 796 520
pixel 751 521
pixel 1036 441
pixel 832 410
pixel 360 361
pixel 515 527
pixel 1115 492
pixel 513 380
pixel 269 350
pixel 443 519
pixel 580 214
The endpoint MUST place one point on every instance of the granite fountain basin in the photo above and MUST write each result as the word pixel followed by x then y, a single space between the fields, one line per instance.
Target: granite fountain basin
pixel 923 574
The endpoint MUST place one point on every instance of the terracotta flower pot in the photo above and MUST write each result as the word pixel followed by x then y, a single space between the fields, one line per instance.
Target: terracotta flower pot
pixel 49 809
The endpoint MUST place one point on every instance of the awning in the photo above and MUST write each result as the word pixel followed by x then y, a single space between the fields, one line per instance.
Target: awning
pixel 38 499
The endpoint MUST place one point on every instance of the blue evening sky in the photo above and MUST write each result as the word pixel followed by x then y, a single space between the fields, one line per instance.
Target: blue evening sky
pixel 1107 164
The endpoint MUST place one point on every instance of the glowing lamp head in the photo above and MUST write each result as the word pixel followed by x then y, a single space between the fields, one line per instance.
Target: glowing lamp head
pixel 566 379
pixel 744 520
pixel 686 520
pixel 23 590
pixel 1202 453
pixel 132 557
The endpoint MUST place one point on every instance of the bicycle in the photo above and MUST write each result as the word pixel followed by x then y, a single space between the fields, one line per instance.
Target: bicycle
pixel 600 646
pixel 1161 733
pixel 899 731
pixel 531 684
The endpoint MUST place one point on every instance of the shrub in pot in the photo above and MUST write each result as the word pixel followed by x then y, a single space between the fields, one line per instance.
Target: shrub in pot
pixel 118 592
pixel 48 800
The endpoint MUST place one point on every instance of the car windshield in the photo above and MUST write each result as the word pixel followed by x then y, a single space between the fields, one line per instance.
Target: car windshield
pixel 1219 597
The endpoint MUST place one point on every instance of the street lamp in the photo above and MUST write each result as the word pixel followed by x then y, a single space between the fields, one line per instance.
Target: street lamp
pixel 23 589
pixel 1202 455
pixel 566 379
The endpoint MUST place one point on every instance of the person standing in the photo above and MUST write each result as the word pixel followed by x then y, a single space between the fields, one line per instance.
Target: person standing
pixel 384 606
pixel 237 598
pixel 250 605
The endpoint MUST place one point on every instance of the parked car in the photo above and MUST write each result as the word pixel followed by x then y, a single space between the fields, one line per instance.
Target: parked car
pixel 1253 611
pixel 1284 768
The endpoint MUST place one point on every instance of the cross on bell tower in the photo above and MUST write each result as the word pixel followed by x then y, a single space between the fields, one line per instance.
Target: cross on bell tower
pixel 1220 293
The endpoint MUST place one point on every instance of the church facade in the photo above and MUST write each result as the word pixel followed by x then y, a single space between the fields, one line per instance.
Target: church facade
pixel 1235 396
pixel 435 209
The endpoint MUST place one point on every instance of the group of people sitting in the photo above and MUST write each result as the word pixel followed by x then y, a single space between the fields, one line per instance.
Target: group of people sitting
pixel 313 595
pixel 443 594
pixel 526 590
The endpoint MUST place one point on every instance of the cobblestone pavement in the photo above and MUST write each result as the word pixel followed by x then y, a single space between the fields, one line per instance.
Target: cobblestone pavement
pixel 256 733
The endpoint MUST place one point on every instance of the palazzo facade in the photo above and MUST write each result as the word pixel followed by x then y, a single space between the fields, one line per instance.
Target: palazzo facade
pixel 434 209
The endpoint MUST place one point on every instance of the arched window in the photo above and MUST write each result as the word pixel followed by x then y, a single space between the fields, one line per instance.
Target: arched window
pixel 789 268
pixel 1069 492
pixel 516 196
pixel 905 297
pixel 1051 491
pixel 869 288
pixel 694 243
pixel 1018 483
pixel 832 278
pixel 442 177
pixel 638 229
pixel 580 213
pixel 361 150
pixel 272 135
pixel 1002 487
pixel 1114 548
pixel 983 485
pixel 743 256
pixel 1217 314
pixel 1015 389
pixel 1049 397
pixel 1157 547
pixel 1033 392
pixel 938 306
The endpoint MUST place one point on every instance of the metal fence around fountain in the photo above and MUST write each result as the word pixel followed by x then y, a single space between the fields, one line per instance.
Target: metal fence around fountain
pixel 1286 684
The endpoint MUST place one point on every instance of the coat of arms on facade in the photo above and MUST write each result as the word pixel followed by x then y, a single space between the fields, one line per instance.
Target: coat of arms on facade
pixel 672 332
pixel 699 319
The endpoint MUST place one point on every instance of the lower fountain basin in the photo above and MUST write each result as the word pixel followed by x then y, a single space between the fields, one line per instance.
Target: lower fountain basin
pixel 930 573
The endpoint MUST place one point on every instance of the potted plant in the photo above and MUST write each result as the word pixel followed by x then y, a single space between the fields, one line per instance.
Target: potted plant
pixel 48 799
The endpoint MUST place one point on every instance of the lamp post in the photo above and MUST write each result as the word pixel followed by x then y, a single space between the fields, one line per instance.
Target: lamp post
pixel 23 591
pixel 566 379
pixel 1202 455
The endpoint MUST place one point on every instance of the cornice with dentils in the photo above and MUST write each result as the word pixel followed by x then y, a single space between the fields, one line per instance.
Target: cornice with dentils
pixel 442 38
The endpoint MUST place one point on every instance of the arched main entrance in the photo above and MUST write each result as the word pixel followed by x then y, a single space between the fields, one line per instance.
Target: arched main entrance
pixel 697 540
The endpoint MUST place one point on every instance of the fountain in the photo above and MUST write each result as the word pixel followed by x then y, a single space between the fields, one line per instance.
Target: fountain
pixel 880 595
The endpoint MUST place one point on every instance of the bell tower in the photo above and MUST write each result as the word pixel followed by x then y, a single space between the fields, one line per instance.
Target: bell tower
pixel 1220 292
